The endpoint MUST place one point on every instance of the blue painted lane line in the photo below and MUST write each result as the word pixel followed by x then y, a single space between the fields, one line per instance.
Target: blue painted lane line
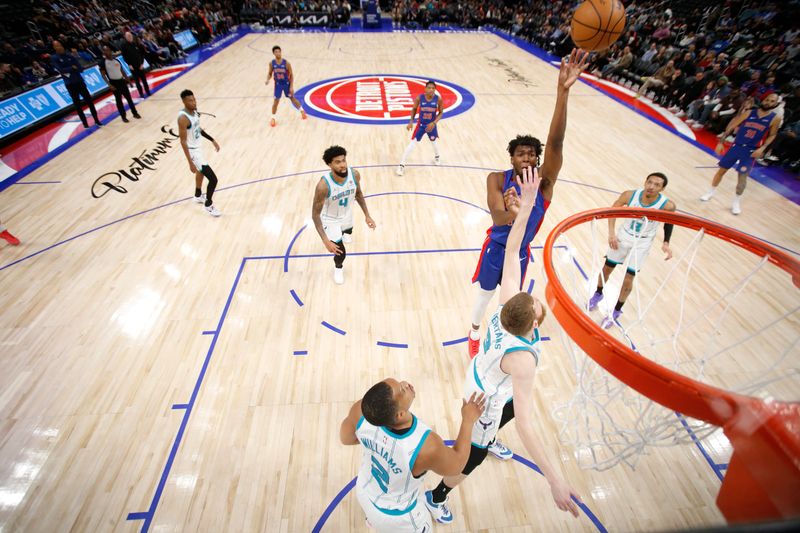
pixel 334 328
pixel 392 344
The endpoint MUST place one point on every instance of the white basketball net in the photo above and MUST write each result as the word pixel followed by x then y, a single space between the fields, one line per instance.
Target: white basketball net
pixel 733 324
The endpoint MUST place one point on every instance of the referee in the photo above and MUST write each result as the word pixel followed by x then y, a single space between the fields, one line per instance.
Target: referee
pixel 116 77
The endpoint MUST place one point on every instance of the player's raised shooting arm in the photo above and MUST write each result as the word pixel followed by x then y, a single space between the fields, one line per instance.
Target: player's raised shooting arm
pixel 568 74
pixel 495 201
pixel 347 431
pixel 320 193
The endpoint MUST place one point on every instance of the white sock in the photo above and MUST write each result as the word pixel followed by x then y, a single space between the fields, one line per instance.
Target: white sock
pixel 481 303
pixel 409 149
pixel 435 148
pixel 273 116
pixel 712 190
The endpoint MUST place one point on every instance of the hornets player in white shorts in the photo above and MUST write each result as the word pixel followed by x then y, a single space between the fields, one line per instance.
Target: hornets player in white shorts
pixel 634 238
pixel 505 367
pixel 332 211
pixel 398 449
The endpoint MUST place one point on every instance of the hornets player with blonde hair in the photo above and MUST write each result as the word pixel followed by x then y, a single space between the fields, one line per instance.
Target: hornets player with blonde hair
pixel 505 367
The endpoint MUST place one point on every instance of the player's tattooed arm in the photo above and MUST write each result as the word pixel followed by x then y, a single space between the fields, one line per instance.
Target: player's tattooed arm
pixel 361 201
pixel 320 193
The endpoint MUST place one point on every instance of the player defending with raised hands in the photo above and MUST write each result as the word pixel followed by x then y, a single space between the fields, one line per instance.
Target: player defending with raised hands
pixel 398 449
pixel 511 348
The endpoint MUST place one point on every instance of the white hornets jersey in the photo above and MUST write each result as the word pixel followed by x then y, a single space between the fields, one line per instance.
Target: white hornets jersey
pixel 385 476
pixel 193 133
pixel 338 207
pixel 641 227
pixel 487 374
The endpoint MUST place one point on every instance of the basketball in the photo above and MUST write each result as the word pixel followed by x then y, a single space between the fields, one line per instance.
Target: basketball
pixel 596 24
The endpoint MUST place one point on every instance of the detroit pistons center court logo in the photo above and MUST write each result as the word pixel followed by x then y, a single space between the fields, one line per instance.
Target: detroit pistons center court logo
pixel 377 98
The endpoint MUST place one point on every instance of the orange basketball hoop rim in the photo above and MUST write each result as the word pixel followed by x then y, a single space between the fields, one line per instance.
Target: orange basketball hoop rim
pixel 763 478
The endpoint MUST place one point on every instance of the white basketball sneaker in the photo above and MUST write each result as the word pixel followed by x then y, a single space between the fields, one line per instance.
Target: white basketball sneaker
pixel 200 199
pixel 213 211
pixel 338 275
pixel 736 208
pixel 497 449
pixel 437 161
pixel 707 196
pixel 401 169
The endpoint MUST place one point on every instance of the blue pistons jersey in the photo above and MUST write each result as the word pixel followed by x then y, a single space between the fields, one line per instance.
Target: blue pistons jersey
pixel 280 73
pixel 428 109
pixel 753 129
pixel 499 234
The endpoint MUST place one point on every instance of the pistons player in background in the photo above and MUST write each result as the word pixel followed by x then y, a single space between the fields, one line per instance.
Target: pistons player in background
pixel 430 109
pixel 281 71
pixel 754 125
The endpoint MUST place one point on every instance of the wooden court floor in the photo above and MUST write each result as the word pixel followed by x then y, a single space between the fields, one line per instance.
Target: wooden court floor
pixel 149 376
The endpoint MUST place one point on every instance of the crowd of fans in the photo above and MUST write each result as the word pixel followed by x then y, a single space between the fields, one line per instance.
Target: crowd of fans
pixel 85 27
pixel 704 60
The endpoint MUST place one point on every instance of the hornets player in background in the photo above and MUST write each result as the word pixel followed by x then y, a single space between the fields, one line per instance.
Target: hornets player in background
pixel 753 126
pixel 281 71
pixel 430 109
pixel 505 367
pixel 635 238
pixel 189 131
pixel 398 450
pixel 332 211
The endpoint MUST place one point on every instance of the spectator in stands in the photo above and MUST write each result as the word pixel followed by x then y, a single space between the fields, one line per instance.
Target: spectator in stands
pixel 69 67
pixel 753 85
pixel 657 80
pixel 10 78
pixel 786 147
pixel 724 111
pixel 687 64
pixel 690 91
pixel 699 111
pixel 650 53
pixel 618 65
